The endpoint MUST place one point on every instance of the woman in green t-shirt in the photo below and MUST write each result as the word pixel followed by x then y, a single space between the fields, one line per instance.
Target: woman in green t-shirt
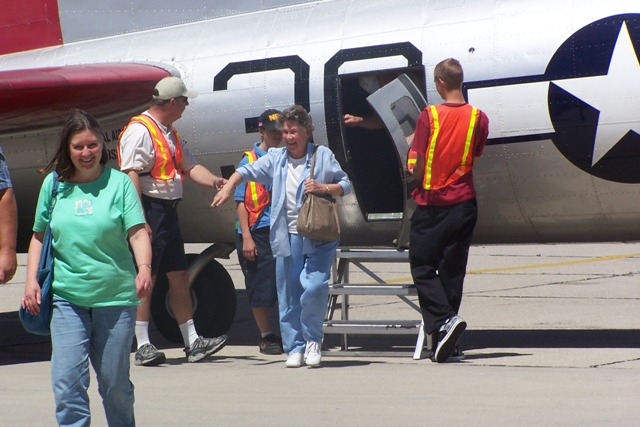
pixel 96 288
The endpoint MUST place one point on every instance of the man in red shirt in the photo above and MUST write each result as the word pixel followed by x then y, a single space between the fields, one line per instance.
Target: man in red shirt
pixel 448 141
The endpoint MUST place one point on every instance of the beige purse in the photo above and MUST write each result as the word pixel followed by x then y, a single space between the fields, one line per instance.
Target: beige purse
pixel 318 216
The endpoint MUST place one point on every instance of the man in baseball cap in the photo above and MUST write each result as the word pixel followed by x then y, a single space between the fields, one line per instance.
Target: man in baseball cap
pixel 252 245
pixel 172 87
pixel 158 179
pixel 269 120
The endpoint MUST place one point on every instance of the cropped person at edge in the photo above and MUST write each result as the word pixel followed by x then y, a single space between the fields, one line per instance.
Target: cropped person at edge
pixel 8 224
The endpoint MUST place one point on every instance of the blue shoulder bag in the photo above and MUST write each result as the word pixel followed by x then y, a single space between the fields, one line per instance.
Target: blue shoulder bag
pixel 40 324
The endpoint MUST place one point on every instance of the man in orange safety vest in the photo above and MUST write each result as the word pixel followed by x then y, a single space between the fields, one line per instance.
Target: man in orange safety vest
pixel 151 152
pixel 449 139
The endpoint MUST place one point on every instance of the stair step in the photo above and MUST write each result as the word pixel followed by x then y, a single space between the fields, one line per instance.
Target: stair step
pixel 362 289
pixel 409 327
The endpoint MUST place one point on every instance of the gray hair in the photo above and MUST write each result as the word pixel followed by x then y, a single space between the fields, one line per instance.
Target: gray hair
pixel 297 113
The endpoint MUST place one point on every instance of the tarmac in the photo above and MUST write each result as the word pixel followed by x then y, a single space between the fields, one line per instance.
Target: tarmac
pixel 553 339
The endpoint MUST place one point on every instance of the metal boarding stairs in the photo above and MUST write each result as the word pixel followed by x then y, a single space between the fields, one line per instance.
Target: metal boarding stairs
pixel 341 289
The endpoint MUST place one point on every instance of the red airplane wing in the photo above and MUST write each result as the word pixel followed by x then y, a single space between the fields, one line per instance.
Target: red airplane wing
pixel 40 97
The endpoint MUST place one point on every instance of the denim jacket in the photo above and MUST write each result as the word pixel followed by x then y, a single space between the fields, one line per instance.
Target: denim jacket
pixel 272 169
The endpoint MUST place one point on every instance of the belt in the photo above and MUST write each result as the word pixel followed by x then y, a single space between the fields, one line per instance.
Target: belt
pixel 173 203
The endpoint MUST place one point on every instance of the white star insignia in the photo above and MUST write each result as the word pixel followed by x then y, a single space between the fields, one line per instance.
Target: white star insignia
pixel 615 95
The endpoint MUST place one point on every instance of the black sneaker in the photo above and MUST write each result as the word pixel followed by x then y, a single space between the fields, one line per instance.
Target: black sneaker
pixel 448 337
pixel 203 347
pixel 456 356
pixel 148 355
pixel 271 344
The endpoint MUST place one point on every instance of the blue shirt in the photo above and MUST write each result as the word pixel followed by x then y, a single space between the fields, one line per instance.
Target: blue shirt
pixel 5 179
pixel 264 219
pixel 272 169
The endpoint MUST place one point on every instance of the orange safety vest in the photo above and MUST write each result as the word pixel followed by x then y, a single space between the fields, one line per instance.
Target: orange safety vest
pixel 256 196
pixel 165 164
pixel 452 145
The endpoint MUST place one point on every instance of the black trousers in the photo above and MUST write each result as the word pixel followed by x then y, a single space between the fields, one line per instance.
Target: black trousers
pixel 438 251
pixel 167 245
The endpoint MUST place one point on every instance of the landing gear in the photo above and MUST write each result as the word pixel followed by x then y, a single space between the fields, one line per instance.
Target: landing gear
pixel 212 293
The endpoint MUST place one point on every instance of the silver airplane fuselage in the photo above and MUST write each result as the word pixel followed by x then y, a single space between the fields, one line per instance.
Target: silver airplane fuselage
pixel 556 79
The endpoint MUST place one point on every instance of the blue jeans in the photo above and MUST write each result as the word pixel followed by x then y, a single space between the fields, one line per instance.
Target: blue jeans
pixel 303 293
pixel 104 336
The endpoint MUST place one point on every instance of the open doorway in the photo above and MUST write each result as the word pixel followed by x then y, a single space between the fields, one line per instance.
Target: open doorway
pixel 375 169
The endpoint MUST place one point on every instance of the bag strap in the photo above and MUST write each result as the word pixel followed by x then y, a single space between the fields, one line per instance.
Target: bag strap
pixel 313 161
pixel 54 194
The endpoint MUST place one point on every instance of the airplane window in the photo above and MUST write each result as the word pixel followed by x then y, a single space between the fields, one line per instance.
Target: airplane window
pixel 227 170
pixel 406 113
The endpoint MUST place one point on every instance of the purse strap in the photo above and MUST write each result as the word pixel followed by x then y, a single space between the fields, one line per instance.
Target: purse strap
pixel 54 194
pixel 313 161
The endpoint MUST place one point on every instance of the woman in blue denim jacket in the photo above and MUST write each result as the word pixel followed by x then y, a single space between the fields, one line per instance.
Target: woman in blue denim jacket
pixel 303 265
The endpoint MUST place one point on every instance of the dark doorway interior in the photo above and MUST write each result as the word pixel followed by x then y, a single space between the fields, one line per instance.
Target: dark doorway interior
pixel 374 167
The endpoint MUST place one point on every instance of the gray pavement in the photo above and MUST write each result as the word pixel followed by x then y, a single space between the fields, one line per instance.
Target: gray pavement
pixel 553 340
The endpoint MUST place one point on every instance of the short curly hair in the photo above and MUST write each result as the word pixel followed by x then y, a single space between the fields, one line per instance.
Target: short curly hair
pixel 297 113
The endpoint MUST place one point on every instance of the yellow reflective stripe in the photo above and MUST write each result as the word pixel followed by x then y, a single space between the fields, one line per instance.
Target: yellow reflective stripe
pixel 254 193
pixel 467 144
pixel 432 148
pixel 158 144
pixel 412 158
pixel 252 185
pixel 177 158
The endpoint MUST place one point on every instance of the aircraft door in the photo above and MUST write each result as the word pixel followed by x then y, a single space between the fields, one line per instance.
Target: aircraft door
pixel 398 104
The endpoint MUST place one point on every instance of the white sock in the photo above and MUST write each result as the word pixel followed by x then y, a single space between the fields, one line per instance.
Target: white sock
pixel 142 333
pixel 266 334
pixel 189 334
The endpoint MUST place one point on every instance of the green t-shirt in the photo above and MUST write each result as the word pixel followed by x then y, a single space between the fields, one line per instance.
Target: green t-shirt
pixel 93 266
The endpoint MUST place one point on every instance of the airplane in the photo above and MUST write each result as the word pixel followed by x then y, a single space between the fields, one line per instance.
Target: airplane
pixel 559 80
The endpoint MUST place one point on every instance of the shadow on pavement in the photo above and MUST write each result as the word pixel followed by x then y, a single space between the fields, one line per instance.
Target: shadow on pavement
pixel 18 346
pixel 551 338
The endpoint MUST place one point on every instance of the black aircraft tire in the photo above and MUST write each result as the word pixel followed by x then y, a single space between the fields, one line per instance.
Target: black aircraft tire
pixel 214 300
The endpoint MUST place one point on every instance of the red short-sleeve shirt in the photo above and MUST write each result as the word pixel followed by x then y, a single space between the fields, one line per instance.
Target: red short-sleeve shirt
pixel 460 190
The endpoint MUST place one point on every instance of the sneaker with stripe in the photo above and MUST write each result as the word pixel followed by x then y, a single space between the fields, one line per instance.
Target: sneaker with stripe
pixel 448 337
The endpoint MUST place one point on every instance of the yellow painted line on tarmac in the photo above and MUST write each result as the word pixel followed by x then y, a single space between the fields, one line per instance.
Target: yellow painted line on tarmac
pixel 530 266
pixel 555 264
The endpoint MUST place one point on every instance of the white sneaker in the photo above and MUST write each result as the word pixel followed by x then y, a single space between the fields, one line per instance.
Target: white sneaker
pixel 312 356
pixel 294 360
